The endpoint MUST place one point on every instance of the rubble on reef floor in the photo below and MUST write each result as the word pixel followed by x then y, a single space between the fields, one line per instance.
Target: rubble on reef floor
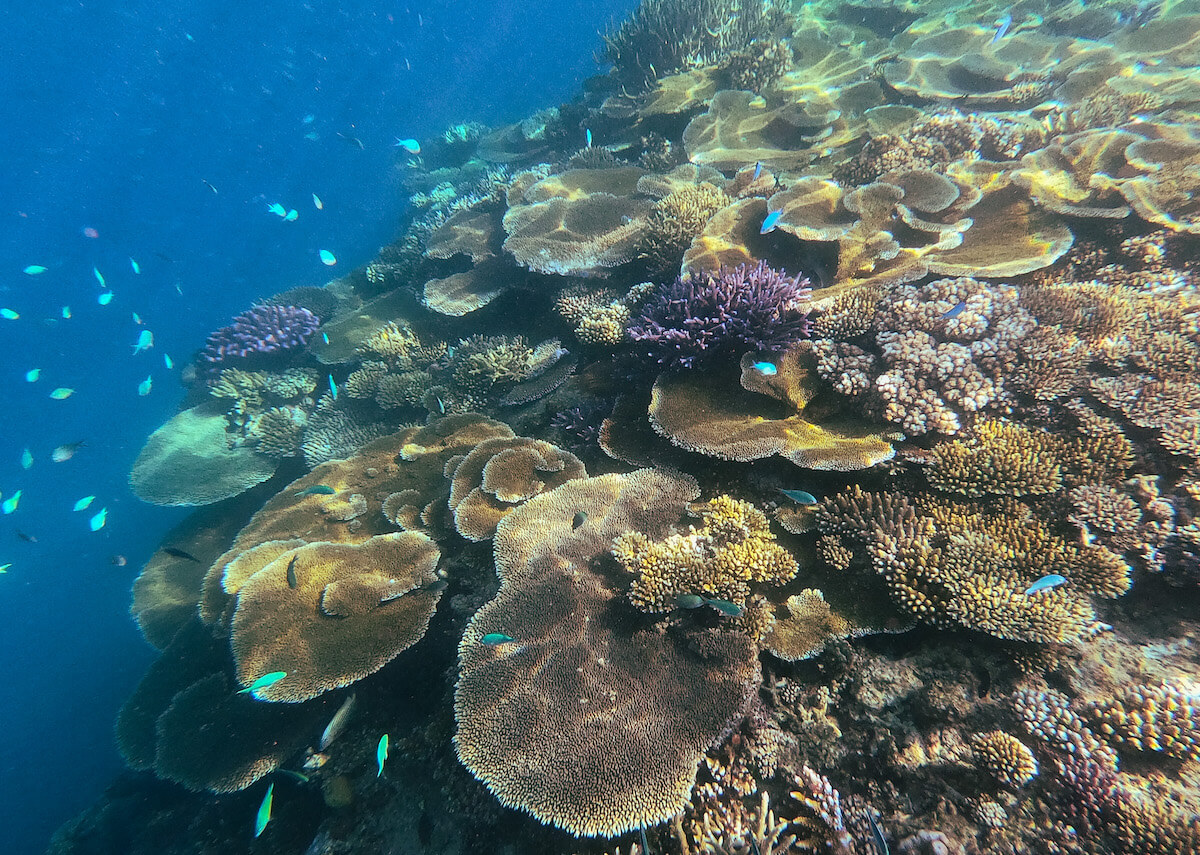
pixel 809 463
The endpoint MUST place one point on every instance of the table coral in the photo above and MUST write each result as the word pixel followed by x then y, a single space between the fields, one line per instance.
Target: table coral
pixel 190 461
pixel 733 548
pixel 711 414
pixel 499 474
pixel 350 611
pixel 634 709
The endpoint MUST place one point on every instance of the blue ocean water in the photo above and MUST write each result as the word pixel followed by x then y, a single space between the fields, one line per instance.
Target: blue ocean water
pixel 122 119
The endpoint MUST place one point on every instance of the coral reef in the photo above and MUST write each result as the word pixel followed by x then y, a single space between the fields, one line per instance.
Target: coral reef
pixel 991 384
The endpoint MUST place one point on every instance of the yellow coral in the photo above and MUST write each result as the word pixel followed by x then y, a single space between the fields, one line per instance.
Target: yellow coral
pixel 733 548
pixel 1004 757
pixel 1003 459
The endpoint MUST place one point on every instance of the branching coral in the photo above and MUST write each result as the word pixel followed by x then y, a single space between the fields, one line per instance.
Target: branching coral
pixel 1149 718
pixel 674 222
pixel 945 349
pixel 732 549
pixel 1004 757
pixel 662 36
pixel 261 331
pixel 960 565
pixel 722 313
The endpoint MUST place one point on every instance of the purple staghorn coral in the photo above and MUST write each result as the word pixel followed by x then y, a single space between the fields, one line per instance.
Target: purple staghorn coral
pixel 727 312
pixel 260 331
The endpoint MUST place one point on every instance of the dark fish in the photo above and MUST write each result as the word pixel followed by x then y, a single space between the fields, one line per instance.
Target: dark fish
pixel 725 607
pixel 291 572
pixel 645 843
pixel 494 638
pixel 179 553
pixel 579 519
pixel 956 311
pixel 118 560
pixel 689 601
pixel 800 497
pixel 985 681
pixel 209 186
pixel 316 490
pixel 28 538
pixel 877 835
pixel 352 140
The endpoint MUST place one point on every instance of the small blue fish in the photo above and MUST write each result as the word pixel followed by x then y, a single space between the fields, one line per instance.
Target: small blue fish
pixel 1053 580
pixel 494 638
pixel 4 567
pixel 956 311
pixel 145 342
pixel 66 313
pixel 325 337
pixel 145 386
pixel 1002 26
pixel 32 375
pixel 277 209
pixel 770 221
pixel 26 459
pixel 767 369
pixel 168 361
pixel 800 497
pixel 84 503
pixel 264 810
pixel 409 145
pixel 589 137
pixel 327 258
pixel 97 522
pixel 263 682
pixel 34 270
pixel 291 216
pixel 381 752
pixel 333 390
pixel 299 776
pixel 317 203
pixel 9 314
pixel 137 268
pixel 757 171
pixel 316 490
pixel 99 276
pixel 10 504
pixel 105 298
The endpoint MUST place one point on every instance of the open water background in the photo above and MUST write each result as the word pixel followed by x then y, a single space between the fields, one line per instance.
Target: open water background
pixel 114 112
